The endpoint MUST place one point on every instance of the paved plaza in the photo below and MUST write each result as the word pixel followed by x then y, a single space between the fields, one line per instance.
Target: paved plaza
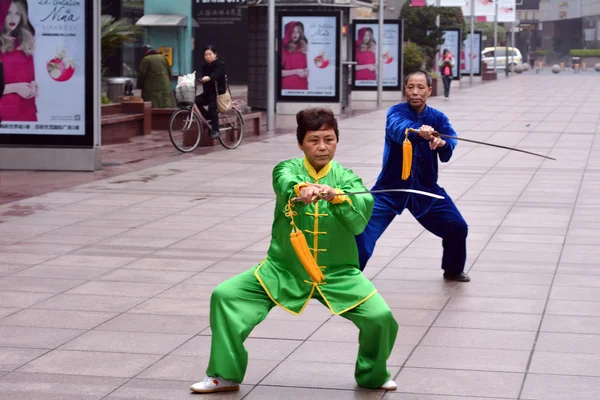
pixel 105 287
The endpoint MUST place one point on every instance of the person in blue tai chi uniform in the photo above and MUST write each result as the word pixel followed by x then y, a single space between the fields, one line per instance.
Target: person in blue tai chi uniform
pixel 410 161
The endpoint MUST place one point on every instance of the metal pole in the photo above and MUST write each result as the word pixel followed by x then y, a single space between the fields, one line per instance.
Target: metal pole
pixel 379 56
pixel 512 40
pixel 495 33
pixel 472 42
pixel 402 55
pixel 271 67
pixel 97 75
pixel 437 24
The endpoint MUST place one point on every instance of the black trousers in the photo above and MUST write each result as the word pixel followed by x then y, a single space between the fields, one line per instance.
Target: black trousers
pixel 447 82
pixel 212 115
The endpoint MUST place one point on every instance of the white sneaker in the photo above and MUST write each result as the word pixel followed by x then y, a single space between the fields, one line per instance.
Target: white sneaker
pixel 446 99
pixel 389 385
pixel 214 384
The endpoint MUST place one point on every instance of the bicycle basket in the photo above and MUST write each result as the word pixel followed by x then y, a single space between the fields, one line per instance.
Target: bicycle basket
pixel 185 94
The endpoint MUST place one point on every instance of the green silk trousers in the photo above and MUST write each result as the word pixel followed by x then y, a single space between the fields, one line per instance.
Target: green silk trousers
pixel 240 303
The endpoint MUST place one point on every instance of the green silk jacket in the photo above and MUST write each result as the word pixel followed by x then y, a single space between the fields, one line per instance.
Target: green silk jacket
pixel 329 228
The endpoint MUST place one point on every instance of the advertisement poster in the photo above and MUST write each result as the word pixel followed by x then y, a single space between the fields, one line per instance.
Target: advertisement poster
pixel 366 34
pixel 43 49
pixel 465 54
pixel 452 43
pixel 483 8
pixel 507 10
pixel 308 56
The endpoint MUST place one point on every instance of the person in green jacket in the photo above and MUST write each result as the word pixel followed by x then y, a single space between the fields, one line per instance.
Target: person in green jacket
pixel 154 78
pixel 328 221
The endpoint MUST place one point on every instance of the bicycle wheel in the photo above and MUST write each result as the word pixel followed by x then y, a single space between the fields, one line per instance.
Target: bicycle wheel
pixel 185 130
pixel 231 125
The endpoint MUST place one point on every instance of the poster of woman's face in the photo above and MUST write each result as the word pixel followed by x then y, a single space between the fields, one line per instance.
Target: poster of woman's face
pixel 41 45
pixel 308 56
pixel 366 54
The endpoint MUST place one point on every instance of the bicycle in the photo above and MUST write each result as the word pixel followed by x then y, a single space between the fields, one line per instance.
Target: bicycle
pixel 187 124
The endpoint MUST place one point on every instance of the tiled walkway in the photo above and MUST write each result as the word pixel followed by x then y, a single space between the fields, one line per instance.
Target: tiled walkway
pixel 106 286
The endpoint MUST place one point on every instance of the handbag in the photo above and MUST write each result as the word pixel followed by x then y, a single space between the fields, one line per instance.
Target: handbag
pixel 224 102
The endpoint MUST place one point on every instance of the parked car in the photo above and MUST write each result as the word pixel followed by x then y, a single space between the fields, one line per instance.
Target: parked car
pixel 514 57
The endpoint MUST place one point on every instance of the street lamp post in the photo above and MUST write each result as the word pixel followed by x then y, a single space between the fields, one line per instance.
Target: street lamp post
pixel 379 56
pixel 271 67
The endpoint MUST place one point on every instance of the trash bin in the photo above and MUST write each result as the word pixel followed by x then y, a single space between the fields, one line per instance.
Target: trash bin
pixel 575 61
pixel 116 87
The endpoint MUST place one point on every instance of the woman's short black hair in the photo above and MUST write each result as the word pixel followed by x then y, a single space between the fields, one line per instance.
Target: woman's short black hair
pixel 420 72
pixel 211 48
pixel 315 119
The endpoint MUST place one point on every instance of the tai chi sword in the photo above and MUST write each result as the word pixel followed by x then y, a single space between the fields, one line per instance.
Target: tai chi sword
pixel 441 135
pixel 435 196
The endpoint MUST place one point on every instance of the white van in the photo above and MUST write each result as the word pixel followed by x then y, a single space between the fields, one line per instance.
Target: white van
pixel 514 57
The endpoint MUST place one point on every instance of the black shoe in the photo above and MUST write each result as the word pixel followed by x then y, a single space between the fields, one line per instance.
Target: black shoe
pixel 462 277
pixel 215 134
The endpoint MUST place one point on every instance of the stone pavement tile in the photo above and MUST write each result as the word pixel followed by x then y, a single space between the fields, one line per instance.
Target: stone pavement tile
pixel 404 396
pixel 189 307
pixel 90 261
pixel 258 349
pixel 568 343
pixel 556 387
pixel 146 276
pixel 87 231
pixel 9 269
pixel 574 280
pixel 20 386
pixel 469 359
pixel 7 311
pixel 495 255
pixel 499 305
pixel 578 269
pixel 315 375
pixel 314 311
pixel 526 267
pixel 347 332
pixel 580 308
pixel 25 258
pixel 531 230
pixel 282 329
pixel 12 358
pixel 211 279
pixel 38 285
pixel 145 389
pixel 413 301
pixel 479 339
pixel 570 324
pixel 184 222
pixel 506 290
pixel 130 322
pixel 56 238
pixel 57 319
pixel 511 278
pixel 343 353
pixel 565 364
pixel 410 317
pixel 488 320
pixel 141 242
pixel 460 383
pixel 153 233
pixel 439 287
pixel 36 338
pixel 192 369
pixel 15 228
pixel 293 393
pixel 575 293
pixel 170 264
pixel 185 291
pixel 61 272
pixel 21 299
pixel 116 365
pixel 128 289
pixel 406 274
pixel 127 342
pixel 524 246
pixel 43 248
pixel 79 302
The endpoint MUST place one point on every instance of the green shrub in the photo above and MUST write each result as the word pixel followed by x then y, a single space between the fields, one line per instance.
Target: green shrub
pixel 585 52
pixel 105 100
pixel 542 53
pixel 413 58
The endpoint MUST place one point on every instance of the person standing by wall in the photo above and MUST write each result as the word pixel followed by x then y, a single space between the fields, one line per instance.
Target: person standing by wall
pixel 446 65
pixel 154 79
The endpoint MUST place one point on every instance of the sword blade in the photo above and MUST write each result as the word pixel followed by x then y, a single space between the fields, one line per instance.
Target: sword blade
pixel 420 192
pixel 486 144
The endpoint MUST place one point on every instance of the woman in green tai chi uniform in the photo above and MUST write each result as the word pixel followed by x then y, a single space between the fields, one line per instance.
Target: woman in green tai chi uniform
pixel 312 255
